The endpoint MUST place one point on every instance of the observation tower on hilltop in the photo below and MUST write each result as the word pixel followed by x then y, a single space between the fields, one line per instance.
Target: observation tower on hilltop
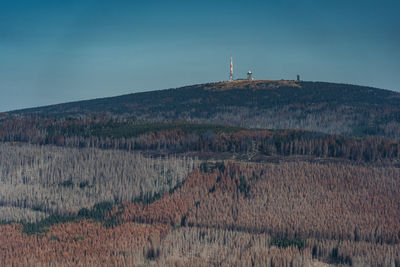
pixel 231 71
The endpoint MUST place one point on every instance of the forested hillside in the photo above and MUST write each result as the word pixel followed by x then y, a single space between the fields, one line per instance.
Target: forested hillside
pixel 261 173
pixel 290 214
pixel 62 180
pixel 317 106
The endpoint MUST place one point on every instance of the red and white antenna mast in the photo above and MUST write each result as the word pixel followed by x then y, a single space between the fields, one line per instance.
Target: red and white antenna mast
pixel 231 72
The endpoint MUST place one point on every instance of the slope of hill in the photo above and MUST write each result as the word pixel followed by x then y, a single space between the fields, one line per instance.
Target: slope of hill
pixel 233 214
pixel 177 178
pixel 317 106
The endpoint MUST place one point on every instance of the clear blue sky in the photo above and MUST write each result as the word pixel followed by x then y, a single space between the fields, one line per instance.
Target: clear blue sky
pixel 60 51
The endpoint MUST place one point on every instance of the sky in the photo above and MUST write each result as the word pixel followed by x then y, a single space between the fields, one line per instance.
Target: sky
pixel 59 51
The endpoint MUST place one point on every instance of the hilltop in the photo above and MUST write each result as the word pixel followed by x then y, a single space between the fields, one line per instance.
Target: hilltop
pixel 316 106
pixel 251 85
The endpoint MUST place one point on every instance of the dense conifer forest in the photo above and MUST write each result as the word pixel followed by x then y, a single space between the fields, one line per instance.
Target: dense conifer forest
pixel 263 173
pixel 315 106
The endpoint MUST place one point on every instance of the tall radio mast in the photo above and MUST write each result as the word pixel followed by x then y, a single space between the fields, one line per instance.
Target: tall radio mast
pixel 231 72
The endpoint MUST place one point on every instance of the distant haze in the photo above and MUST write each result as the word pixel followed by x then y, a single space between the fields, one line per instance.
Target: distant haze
pixel 60 51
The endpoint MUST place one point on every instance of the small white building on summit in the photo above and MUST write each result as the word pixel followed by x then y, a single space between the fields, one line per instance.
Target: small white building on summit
pixel 249 75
